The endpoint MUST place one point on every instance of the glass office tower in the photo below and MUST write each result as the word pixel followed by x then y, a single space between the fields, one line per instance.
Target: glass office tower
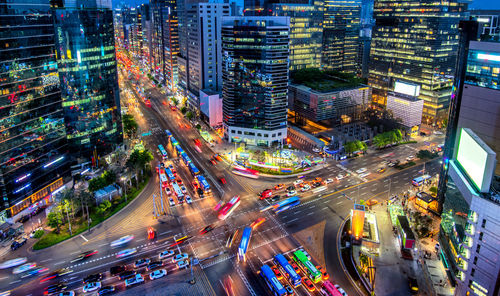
pixel 33 146
pixel 342 24
pixel 89 82
pixel 255 79
pixel 416 40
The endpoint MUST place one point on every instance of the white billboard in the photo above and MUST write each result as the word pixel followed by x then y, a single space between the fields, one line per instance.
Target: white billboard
pixel 476 159
pixel 407 88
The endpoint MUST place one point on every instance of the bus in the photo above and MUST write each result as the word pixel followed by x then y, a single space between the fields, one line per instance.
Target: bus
pixel 419 181
pixel 185 158
pixel 290 273
pixel 169 134
pixel 169 175
pixel 194 170
pixel 179 149
pixel 177 190
pixel 163 152
pixel 272 282
pixel 163 179
pixel 245 172
pixel 286 204
pixel 203 183
pixel 245 241
pixel 228 208
pixel 328 289
pixel 311 270
pixel 174 141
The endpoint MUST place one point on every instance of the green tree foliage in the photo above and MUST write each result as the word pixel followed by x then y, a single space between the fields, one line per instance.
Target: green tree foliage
pixel 139 159
pixel 426 154
pixel 174 101
pixel 387 138
pixel 107 178
pixel 129 125
pixel 433 190
pixel 189 115
pixel 54 219
pixel 198 127
pixel 183 110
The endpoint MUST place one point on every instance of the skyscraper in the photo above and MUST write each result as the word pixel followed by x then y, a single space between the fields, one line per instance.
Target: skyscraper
pixel 416 41
pixel 341 25
pixel 33 145
pixel 255 79
pixel 89 82
pixel 469 185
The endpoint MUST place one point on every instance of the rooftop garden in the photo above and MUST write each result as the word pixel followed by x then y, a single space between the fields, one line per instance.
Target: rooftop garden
pixel 324 81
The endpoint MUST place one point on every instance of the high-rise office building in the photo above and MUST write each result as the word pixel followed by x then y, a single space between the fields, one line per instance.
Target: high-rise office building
pixel 341 27
pixel 255 79
pixel 416 41
pixel 33 146
pixel 489 24
pixel 306 31
pixel 89 81
pixel 469 185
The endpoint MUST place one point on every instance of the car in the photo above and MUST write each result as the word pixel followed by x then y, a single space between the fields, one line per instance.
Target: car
pixel 290 188
pixel 217 156
pixel 117 269
pixel 84 255
pixel 180 199
pixel 275 198
pixel 257 222
pixel 308 284
pixel 141 262
pixel 127 274
pixel 35 271
pixel 324 274
pixel 166 254
pixel 154 265
pixel 381 170
pixel 289 290
pixel 218 205
pixel 364 175
pixel 294 266
pixel 298 182
pixel 96 277
pixel 54 288
pixel 122 240
pixel 19 242
pixel 200 192
pixel 340 177
pixel 361 170
pixel 279 186
pixel 213 162
pixel 305 188
pixel 391 164
pixel 106 290
pixel 409 158
pixel 266 194
pixel 168 191
pixel 412 282
pixel 92 286
pixel 317 179
pixel 126 253
pixel 23 268
pixel 182 264
pixel 315 184
pixel 197 142
pixel 316 150
pixel 188 199
pixel 206 229
pixel 66 293
pixel 183 189
pixel 171 167
pixel 157 274
pixel 179 182
pixel 55 274
pixel 137 279
pixel 291 193
pixel 180 257
pixel 342 291
pixel 171 202
pixel 23 219
pixel 277 273
pixel 371 202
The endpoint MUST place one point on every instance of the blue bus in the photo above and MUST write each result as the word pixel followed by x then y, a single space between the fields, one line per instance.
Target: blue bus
pixel 185 158
pixel 174 141
pixel 290 273
pixel 419 181
pixel 169 134
pixel 203 183
pixel 245 241
pixel 272 282
pixel 286 204
pixel 163 152
pixel 170 175
pixel 194 170
pixel 179 149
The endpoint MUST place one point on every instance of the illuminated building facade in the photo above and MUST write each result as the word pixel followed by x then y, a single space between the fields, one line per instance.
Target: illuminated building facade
pixel 255 79
pixel 416 41
pixel 306 32
pixel 341 29
pixel 489 24
pixel 89 82
pixel 33 144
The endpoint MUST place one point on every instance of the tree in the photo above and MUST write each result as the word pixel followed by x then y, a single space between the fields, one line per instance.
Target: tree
pixel 198 126
pixel 109 177
pixel 350 147
pixel 129 125
pixel 361 146
pixel 174 101
pixel 139 159
pixel 425 154
pixel 54 219
pixel 183 110
pixel 189 115
pixel 96 183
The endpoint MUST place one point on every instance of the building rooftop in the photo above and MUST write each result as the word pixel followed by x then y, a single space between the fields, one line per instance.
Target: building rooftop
pixel 324 81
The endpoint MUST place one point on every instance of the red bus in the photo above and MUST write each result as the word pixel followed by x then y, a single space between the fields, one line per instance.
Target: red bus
pixel 328 289
pixel 228 208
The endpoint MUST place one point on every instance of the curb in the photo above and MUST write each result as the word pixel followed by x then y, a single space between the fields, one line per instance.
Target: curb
pixel 295 175
pixel 30 250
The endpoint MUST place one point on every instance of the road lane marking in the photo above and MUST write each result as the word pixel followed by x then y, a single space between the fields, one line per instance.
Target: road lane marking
pixel 46 260
pixel 84 238
pixel 294 219
pixel 73 253
pixel 324 208
pixel 165 232
pixel 13 282
pixel 59 263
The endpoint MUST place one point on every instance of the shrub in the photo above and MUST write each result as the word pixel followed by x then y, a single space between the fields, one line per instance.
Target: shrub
pixel 38 233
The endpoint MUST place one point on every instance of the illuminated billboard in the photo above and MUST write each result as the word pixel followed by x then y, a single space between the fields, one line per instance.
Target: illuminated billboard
pixel 476 159
pixel 357 221
pixel 407 88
